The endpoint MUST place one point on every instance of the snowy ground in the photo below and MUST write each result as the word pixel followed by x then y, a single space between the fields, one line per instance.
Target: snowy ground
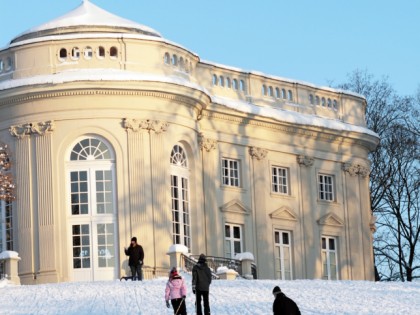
pixel 226 297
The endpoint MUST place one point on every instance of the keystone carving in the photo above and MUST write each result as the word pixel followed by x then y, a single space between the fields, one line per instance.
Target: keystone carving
pixel 39 128
pixel 257 153
pixel 135 125
pixel 305 160
pixel 206 143
pixel 356 169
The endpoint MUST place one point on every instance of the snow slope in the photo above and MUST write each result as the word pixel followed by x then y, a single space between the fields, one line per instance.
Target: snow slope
pixel 238 297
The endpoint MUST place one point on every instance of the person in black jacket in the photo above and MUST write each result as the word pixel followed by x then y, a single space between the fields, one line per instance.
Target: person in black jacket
pixel 201 280
pixel 135 251
pixel 283 305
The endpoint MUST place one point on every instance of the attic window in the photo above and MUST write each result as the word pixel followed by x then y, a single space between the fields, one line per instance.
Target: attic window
pixel 214 79
pixel 242 85
pixel 166 59
pixel 88 52
pixel 9 63
pixel 235 84
pixel 174 60
pixel 75 53
pixel 63 54
pixel 113 52
pixel 283 93
pixel 277 93
pixel 100 52
pixel 289 95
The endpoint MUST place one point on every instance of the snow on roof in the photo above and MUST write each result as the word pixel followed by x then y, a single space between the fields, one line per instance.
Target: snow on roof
pixel 278 78
pixel 238 105
pixel 88 14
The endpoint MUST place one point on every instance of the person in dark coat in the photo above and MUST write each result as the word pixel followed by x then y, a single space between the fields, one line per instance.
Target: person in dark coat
pixel 283 305
pixel 201 280
pixel 136 254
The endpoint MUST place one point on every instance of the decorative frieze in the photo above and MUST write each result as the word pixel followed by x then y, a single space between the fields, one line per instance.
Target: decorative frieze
pixel 305 160
pixel 206 143
pixel 356 169
pixel 257 153
pixel 38 128
pixel 135 125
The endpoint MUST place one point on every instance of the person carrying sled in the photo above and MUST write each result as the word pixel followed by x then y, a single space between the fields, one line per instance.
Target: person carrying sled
pixel 201 280
pixel 136 254
pixel 176 291
pixel 283 305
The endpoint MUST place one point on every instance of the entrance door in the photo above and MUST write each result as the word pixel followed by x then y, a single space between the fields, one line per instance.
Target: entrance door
pixel 282 255
pixel 92 220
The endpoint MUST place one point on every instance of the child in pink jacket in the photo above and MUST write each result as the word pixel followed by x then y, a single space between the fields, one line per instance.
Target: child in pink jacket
pixel 176 291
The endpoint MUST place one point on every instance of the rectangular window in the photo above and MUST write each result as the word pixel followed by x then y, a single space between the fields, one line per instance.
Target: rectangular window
pixel 180 211
pixel 279 180
pixel 104 194
pixel 326 187
pixel 230 172
pixel 106 248
pixel 329 258
pixel 283 255
pixel 79 192
pixel 233 240
pixel 6 226
pixel 81 246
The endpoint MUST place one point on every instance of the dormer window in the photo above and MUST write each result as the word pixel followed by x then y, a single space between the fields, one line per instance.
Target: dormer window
pixel 113 52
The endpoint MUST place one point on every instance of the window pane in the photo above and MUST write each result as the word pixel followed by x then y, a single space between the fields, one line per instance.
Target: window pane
pixel 227 230
pixel 331 244
pixel 236 232
pixel 286 238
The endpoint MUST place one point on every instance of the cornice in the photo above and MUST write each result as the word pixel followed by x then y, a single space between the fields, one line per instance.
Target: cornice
pixel 83 92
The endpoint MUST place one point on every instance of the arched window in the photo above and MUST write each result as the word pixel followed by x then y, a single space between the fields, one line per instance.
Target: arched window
pixel 180 197
pixel 242 85
pixel 323 101
pixel 88 52
pixel 75 53
pixel 92 210
pixel 63 54
pixel 1 65
pixel 113 52
pixel 9 63
pixel 317 100
pixel 335 105
pixel 174 60
pixel 277 92
pixel 100 52
pixel 235 84
pixel 214 79
pixel 290 95
pixel 167 59
pixel 329 104
pixel 264 90
pixel 181 63
pixel 270 91
pixel 311 99
pixel 221 81
pixel 228 83
pixel 283 93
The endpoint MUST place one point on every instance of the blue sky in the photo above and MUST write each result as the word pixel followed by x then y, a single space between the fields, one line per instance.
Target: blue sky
pixel 319 41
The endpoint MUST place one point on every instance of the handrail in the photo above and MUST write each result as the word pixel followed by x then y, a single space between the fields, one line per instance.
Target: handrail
pixel 189 262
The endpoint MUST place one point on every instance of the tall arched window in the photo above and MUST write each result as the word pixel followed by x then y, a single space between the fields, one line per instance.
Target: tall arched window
pixel 180 197
pixel 92 210
pixel 167 58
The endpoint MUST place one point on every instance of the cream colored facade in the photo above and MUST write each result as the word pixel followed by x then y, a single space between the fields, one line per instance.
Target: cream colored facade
pixel 281 162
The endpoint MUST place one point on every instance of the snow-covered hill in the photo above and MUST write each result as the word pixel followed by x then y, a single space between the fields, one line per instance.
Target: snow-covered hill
pixel 226 297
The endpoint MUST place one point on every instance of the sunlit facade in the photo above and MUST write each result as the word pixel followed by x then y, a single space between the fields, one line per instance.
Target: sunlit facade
pixel 117 132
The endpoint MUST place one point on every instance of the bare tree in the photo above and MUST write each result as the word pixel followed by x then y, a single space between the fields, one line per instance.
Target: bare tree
pixel 394 178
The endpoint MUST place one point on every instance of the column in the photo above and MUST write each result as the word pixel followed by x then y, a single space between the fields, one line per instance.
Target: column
pixel 264 255
pixel 310 237
pixel 24 206
pixel 46 240
pixel 211 213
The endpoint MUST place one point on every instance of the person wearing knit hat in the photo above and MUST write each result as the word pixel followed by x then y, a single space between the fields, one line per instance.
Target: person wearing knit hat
pixel 176 291
pixel 283 305
pixel 136 254
pixel 201 280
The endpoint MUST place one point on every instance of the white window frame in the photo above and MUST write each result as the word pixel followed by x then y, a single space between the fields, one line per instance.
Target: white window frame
pixel 6 242
pixel 283 249
pixel 326 187
pixel 326 260
pixel 179 171
pixel 231 240
pixel 232 168
pixel 277 180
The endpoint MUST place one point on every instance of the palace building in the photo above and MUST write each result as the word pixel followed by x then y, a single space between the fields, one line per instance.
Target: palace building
pixel 114 131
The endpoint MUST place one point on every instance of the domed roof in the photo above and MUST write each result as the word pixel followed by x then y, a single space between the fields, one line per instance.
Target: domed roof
pixel 87 17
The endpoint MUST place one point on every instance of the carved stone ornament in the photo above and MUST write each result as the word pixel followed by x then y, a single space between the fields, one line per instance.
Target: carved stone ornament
pixel 135 125
pixel 305 160
pixel 39 128
pixel 257 153
pixel 206 143
pixel 356 169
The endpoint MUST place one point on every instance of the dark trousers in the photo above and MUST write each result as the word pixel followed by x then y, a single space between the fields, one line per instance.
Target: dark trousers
pixel 179 306
pixel 136 270
pixel 205 295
